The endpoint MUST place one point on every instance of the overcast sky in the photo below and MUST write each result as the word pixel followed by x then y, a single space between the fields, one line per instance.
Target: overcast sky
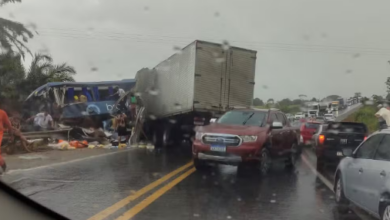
pixel 312 47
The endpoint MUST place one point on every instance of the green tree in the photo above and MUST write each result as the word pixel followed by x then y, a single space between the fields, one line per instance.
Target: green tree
pixel 297 102
pixel 314 100
pixel 258 102
pixel 270 101
pixel 285 102
pixel 43 71
pixel 332 98
pixel 12 74
pixel 357 94
pixel 13 34
pixel 377 98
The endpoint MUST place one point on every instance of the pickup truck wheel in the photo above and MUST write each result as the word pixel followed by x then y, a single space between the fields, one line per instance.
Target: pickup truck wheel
pixel 265 161
pixel 293 157
pixel 320 164
pixel 200 165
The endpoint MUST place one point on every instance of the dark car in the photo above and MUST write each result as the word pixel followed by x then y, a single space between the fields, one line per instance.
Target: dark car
pixel 244 136
pixel 337 140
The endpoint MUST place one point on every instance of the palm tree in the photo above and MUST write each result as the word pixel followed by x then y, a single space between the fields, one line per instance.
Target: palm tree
pixel 13 34
pixel 61 73
pixel 43 71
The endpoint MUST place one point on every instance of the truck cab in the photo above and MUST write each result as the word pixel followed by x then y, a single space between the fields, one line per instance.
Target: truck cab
pixel 246 135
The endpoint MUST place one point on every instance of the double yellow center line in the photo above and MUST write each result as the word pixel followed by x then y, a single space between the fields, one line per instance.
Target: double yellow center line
pixel 140 206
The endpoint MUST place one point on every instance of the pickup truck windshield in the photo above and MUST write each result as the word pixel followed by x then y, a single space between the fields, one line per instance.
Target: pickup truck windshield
pixel 243 118
pixel 348 127
pixel 312 125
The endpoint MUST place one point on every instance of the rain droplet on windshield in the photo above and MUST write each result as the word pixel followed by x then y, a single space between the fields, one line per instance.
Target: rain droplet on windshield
pixel 348 71
pixel 94 69
pixel 229 217
pixel 204 177
pixel 32 25
pixel 90 30
pixel 239 199
pixel 172 121
pixel 177 49
pixel 306 37
pixel 369 102
pixel 137 94
pixel 273 194
pixel 153 91
pixel 196 215
pixel 177 106
pixel 356 55
pixel 152 117
pixel 212 174
pixel 146 8
pixel 216 14
pixel 215 54
pixel 11 15
pixel 219 60
pixel 216 183
pixel 264 86
pixel 225 45
pixel 273 201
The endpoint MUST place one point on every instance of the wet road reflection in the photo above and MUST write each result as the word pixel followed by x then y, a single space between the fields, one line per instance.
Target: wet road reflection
pixel 217 193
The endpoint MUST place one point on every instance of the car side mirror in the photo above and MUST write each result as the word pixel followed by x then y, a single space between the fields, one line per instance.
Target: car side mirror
pixel 276 125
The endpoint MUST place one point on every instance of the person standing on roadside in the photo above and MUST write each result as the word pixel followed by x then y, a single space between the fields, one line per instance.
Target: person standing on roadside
pixel 383 116
pixel 5 124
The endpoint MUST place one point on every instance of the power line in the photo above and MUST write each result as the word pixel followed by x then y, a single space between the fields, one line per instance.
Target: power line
pixel 175 42
pixel 79 32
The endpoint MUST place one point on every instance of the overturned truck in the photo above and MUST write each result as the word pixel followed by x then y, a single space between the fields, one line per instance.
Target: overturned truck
pixel 200 82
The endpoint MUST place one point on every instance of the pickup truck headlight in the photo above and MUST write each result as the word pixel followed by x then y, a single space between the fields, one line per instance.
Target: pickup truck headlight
pixel 248 138
pixel 198 136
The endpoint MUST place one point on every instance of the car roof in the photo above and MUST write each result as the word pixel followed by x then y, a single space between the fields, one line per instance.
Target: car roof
pixel 251 110
pixel 383 131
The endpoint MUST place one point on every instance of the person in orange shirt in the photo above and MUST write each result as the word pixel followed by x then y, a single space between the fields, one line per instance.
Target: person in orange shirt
pixel 5 124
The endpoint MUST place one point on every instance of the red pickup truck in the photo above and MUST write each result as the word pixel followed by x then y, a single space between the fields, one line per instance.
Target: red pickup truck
pixel 247 135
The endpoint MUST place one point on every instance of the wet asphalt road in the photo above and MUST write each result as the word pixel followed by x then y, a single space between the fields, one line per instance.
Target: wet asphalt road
pixel 83 189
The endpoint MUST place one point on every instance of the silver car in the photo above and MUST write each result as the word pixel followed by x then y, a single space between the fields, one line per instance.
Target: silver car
pixel 363 177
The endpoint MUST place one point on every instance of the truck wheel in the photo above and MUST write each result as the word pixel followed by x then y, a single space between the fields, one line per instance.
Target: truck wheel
pixel 200 165
pixel 166 136
pixel 265 161
pixel 293 156
pixel 158 138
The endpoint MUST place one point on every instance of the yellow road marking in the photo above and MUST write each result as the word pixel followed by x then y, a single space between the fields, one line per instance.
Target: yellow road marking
pixel 108 211
pixel 140 206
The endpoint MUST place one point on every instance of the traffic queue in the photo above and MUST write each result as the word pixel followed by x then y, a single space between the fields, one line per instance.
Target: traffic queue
pixel 362 159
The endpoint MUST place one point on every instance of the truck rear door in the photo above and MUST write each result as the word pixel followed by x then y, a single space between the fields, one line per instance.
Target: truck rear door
pixel 210 76
pixel 240 77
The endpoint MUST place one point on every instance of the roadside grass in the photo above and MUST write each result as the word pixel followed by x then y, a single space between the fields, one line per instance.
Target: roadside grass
pixel 366 115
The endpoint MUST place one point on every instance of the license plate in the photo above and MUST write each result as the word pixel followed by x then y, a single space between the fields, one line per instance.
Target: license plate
pixel 339 153
pixel 343 141
pixel 218 148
